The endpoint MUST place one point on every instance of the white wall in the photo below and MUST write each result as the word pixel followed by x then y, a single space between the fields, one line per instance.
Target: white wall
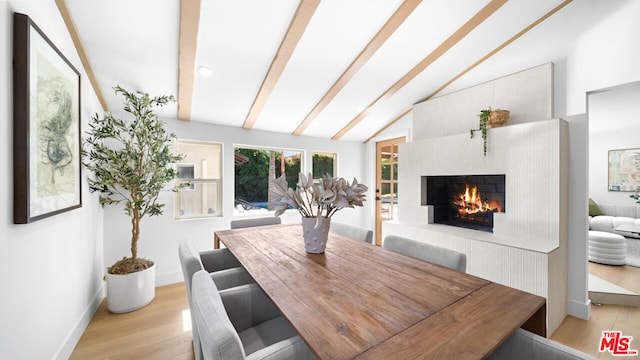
pixel 50 270
pixel 606 55
pixel 613 125
pixel 160 235
pixel 527 94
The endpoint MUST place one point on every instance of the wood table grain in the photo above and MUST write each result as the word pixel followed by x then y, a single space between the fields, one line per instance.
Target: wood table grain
pixel 360 301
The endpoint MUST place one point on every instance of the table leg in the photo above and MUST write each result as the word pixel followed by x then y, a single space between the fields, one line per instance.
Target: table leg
pixel 537 323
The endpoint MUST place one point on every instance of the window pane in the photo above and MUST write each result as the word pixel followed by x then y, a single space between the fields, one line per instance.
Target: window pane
pixel 205 158
pixel 253 169
pixel 200 180
pixel 385 189
pixel 292 165
pixel 197 198
pixel 386 153
pixel 385 172
pixel 186 171
pixel 323 163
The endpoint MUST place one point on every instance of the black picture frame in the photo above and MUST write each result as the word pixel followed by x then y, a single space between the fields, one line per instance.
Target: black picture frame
pixel 46 126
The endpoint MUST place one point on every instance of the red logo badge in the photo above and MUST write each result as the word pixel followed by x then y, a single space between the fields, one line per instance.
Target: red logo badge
pixel 617 344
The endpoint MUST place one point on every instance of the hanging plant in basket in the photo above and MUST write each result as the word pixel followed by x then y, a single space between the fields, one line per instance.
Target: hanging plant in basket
pixel 489 119
pixel 482 127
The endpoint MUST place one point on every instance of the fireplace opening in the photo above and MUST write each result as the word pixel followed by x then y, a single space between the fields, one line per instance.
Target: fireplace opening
pixel 467 201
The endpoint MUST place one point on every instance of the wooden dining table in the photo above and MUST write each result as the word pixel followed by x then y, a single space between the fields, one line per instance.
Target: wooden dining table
pixel 360 301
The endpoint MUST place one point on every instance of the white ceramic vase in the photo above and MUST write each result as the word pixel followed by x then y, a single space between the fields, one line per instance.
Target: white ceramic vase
pixel 315 235
pixel 130 292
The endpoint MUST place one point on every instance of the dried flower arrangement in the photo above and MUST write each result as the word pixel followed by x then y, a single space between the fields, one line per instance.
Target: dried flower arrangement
pixel 321 199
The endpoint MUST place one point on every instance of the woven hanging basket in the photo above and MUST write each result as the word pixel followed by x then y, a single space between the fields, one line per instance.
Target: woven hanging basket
pixel 498 118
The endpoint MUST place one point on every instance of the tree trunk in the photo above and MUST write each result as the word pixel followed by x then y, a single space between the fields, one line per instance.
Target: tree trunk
pixel 272 176
pixel 135 233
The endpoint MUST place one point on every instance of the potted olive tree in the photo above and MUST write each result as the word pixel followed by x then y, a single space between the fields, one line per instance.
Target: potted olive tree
pixel 131 161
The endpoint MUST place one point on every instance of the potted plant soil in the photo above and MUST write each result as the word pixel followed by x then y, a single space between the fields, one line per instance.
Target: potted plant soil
pixel 131 161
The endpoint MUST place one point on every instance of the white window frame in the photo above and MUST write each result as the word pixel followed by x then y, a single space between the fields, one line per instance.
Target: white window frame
pixel 193 184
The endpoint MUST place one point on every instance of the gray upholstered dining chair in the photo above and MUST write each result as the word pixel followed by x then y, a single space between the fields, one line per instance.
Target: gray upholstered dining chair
pixel 351 231
pixel 525 345
pixel 427 252
pixel 242 323
pixel 222 267
pixel 263 221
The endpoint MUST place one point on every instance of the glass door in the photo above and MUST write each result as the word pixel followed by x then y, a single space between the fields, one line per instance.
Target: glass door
pixel 386 183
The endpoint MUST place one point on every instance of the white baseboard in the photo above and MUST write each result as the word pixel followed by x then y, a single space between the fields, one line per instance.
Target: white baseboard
pixel 66 349
pixel 579 310
pixel 169 278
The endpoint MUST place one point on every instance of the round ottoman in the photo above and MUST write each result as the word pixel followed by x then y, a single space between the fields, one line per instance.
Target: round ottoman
pixel 607 248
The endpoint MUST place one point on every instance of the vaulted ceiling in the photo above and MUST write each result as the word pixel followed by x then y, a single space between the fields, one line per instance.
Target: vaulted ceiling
pixel 341 69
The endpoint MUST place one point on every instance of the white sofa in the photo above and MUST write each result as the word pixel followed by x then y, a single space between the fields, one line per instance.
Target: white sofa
pixel 615 215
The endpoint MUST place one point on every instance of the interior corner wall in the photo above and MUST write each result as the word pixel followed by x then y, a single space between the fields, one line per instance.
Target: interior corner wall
pixel 589 65
pixel 577 272
pixel 50 270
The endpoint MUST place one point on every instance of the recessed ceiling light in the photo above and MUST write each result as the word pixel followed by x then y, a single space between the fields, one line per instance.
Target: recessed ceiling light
pixel 205 71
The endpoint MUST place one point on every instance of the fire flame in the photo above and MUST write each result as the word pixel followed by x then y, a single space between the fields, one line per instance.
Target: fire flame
pixel 471 203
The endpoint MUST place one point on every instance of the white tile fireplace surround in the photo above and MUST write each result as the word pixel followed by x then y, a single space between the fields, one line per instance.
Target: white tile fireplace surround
pixel 528 247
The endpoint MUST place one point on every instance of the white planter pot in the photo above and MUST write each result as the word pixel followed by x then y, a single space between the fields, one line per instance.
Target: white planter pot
pixel 130 292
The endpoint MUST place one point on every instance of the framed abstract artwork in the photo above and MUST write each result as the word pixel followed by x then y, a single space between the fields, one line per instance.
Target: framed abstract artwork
pixel 624 170
pixel 46 126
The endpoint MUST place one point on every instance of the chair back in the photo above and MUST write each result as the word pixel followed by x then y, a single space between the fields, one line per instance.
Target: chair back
pixel 352 232
pixel 191 263
pixel 218 338
pixel 427 252
pixel 263 221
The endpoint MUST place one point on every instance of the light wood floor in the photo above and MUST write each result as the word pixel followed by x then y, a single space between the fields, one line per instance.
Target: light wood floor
pixel 158 330
pixel 626 276
pixel 585 335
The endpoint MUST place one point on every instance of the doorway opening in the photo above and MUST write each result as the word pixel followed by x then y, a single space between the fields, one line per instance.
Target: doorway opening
pixel 386 183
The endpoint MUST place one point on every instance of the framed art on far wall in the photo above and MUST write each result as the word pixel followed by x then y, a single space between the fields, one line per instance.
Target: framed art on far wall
pixel 46 126
pixel 624 170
